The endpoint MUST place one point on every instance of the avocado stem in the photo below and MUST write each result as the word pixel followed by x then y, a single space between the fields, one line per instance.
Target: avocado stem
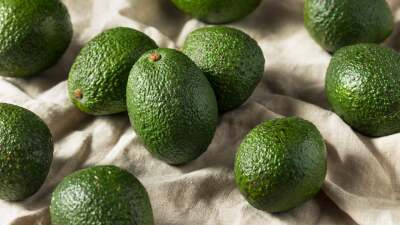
pixel 78 94
pixel 154 57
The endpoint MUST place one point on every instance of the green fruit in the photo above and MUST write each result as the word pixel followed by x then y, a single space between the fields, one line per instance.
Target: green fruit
pixel 217 11
pixel 363 88
pixel 231 60
pixel 337 23
pixel 100 195
pixel 281 164
pixel 33 35
pixel 98 77
pixel 26 152
pixel 171 105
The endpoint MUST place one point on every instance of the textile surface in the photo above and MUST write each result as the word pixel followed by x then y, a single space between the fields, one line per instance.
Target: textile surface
pixel 362 185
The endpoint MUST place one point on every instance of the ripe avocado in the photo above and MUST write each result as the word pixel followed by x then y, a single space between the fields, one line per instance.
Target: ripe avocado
pixel 33 35
pixel 231 60
pixel 280 164
pixel 363 88
pixel 338 23
pixel 26 152
pixel 217 11
pixel 100 195
pixel 171 105
pixel 97 80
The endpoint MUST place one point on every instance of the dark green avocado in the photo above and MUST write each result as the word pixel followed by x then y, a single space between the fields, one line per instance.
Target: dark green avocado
pixel 97 80
pixel 171 105
pixel 26 152
pixel 217 11
pixel 33 35
pixel 363 88
pixel 100 195
pixel 232 61
pixel 280 164
pixel 338 23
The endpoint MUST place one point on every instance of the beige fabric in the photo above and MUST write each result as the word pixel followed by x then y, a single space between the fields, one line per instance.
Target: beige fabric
pixel 363 180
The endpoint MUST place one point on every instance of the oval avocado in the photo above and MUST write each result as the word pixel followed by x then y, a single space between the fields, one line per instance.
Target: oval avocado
pixel 26 152
pixel 33 35
pixel 171 105
pixel 97 80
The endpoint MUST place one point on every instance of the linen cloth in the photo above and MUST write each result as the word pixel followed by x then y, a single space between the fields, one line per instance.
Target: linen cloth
pixel 362 185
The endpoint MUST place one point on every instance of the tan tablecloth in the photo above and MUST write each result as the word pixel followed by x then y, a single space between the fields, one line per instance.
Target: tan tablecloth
pixel 363 181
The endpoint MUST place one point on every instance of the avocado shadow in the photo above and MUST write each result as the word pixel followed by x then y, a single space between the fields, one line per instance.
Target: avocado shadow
pixel 51 76
pixel 232 128
pixel 308 90
pixel 394 40
pixel 272 15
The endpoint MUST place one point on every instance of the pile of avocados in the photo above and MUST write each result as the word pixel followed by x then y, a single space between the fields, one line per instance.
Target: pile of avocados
pixel 174 98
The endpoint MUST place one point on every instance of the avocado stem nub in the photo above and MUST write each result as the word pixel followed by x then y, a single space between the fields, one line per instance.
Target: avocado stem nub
pixel 78 94
pixel 154 57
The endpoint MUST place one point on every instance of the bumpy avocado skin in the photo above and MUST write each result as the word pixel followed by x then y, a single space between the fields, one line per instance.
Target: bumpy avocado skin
pixel 171 106
pixel 26 152
pixel 232 61
pixel 33 35
pixel 98 77
pixel 338 23
pixel 100 195
pixel 280 164
pixel 217 11
pixel 362 86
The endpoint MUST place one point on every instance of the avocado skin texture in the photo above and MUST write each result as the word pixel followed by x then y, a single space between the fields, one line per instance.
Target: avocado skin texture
pixel 98 77
pixel 231 60
pixel 362 86
pixel 34 35
pixel 100 195
pixel 217 11
pixel 26 152
pixel 338 23
pixel 280 164
pixel 171 106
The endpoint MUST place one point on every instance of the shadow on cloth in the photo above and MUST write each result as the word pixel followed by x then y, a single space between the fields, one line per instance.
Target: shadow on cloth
pixel 394 39
pixel 50 77
pixel 272 15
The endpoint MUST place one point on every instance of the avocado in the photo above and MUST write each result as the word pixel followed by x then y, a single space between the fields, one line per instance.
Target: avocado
pixel 26 152
pixel 97 80
pixel 363 87
pixel 217 11
pixel 231 60
pixel 171 105
pixel 338 23
pixel 100 195
pixel 33 35
pixel 280 164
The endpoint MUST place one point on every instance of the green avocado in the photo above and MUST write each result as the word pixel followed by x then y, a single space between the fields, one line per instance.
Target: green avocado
pixel 231 60
pixel 100 195
pixel 363 88
pixel 26 152
pixel 280 164
pixel 33 35
pixel 338 23
pixel 171 105
pixel 217 11
pixel 97 80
